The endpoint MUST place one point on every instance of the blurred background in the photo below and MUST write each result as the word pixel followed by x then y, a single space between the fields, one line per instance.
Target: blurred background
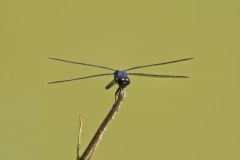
pixel 183 119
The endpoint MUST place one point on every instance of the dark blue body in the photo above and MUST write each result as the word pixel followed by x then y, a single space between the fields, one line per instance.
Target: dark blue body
pixel 121 78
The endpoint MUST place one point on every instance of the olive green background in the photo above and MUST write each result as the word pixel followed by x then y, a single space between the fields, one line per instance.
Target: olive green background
pixel 168 119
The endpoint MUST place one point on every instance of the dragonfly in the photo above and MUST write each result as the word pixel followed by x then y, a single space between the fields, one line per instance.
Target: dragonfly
pixel 120 77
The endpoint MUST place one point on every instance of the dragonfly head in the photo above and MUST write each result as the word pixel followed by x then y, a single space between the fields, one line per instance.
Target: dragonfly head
pixel 121 78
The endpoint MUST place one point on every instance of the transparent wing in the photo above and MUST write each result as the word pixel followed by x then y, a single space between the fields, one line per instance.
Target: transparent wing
pixel 157 64
pixel 157 75
pixel 85 64
pixel 74 79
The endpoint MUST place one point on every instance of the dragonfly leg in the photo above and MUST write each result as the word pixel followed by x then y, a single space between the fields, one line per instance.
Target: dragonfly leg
pixel 117 93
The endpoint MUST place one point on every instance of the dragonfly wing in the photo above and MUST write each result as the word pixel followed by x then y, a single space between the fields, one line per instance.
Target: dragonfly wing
pixel 157 64
pixel 74 79
pixel 157 75
pixel 86 64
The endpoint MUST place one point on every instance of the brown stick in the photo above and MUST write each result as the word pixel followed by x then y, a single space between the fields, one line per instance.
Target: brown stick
pixel 97 137
pixel 79 138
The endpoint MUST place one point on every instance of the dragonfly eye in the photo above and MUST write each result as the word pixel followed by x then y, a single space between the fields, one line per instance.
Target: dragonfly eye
pixel 124 82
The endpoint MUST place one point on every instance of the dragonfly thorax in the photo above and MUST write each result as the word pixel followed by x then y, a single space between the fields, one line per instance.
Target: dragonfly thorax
pixel 121 78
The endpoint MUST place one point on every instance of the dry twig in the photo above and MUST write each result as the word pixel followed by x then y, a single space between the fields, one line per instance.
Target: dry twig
pixel 87 154
pixel 79 138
